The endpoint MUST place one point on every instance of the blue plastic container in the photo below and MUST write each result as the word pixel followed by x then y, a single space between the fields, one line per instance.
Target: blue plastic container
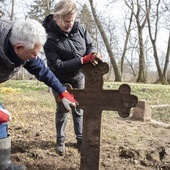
pixel 3 130
pixel 3 127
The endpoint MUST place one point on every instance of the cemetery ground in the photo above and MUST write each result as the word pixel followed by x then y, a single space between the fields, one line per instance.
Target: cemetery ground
pixel 126 144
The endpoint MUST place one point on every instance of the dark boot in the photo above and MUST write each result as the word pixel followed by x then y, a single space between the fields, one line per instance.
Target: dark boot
pixel 5 156
pixel 60 148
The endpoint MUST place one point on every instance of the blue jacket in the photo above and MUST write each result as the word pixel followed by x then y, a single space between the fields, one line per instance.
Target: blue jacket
pixel 10 63
pixel 65 50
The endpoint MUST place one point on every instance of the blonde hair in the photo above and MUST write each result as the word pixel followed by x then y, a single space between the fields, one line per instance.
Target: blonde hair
pixel 64 7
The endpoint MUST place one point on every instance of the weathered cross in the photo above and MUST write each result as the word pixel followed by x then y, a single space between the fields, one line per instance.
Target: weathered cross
pixel 93 99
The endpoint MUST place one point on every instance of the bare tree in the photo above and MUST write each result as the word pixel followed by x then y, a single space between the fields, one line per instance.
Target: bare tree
pixel 1 8
pixel 153 33
pixel 7 8
pixel 12 10
pixel 86 19
pixel 140 17
pixel 106 42
pixel 128 31
pixel 39 9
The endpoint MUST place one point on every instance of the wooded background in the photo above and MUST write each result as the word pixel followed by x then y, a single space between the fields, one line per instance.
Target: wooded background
pixel 133 36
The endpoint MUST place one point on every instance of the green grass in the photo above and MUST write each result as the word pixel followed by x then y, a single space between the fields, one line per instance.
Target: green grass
pixel 154 94
pixel 28 92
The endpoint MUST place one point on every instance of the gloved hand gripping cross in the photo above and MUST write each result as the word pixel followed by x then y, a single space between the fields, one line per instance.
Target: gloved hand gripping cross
pixel 93 58
pixel 68 101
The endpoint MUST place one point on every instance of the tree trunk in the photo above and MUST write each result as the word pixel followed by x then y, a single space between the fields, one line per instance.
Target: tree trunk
pixel 106 42
pixel 141 75
pixel 126 42
pixel 166 63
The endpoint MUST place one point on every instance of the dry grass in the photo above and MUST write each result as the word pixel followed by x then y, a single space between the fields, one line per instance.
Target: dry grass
pixel 21 96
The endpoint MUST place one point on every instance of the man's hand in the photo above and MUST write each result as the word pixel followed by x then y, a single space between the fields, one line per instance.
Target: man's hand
pixel 68 100
pixel 93 57
pixel 4 115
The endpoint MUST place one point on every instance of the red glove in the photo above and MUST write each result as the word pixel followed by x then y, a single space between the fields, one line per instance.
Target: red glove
pixel 88 58
pixel 4 115
pixel 68 100
pixel 93 57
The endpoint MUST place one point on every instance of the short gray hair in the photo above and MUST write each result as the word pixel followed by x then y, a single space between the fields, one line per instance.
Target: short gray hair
pixel 64 7
pixel 28 32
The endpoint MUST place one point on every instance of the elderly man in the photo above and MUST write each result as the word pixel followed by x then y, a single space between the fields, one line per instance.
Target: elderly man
pixel 20 43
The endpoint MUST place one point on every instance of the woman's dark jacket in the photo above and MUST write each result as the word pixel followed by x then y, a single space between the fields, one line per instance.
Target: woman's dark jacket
pixel 64 50
pixel 10 63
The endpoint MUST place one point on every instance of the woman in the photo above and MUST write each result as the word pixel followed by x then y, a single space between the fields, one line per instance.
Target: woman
pixel 68 47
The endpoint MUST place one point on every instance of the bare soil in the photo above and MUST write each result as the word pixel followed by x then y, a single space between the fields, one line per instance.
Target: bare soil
pixel 126 144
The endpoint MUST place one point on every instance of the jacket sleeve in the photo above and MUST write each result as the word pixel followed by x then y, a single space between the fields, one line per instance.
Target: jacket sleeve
pixel 38 68
pixel 90 47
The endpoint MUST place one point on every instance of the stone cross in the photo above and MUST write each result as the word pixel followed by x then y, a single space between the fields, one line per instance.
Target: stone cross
pixel 93 99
